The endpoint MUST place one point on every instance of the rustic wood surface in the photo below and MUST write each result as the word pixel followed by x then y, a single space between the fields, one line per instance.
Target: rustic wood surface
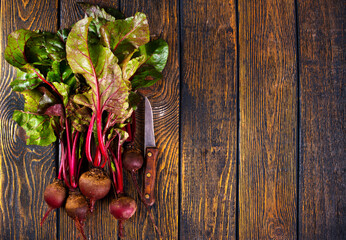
pixel 322 148
pixel 268 120
pixel 208 120
pixel 164 98
pixel 249 119
pixel 24 170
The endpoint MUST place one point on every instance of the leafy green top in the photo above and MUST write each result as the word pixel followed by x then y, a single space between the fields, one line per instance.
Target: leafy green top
pixel 94 68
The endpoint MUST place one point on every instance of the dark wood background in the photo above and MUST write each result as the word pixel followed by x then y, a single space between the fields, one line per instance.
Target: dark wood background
pixel 249 119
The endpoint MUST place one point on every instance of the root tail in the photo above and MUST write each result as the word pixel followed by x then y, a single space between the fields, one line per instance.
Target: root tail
pixel 46 215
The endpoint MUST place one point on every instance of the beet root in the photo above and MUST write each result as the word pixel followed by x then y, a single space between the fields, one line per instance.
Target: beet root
pixel 55 196
pixel 122 209
pixel 95 185
pixel 132 160
pixel 77 208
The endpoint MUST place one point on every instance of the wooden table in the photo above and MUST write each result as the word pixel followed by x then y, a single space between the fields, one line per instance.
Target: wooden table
pixel 249 118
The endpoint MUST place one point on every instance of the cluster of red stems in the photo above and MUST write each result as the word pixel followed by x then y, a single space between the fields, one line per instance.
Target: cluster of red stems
pixel 79 198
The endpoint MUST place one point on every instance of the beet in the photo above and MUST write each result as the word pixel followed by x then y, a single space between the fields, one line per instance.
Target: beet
pixel 95 185
pixel 77 208
pixel 132 161
pixel 54 195
pixel 122 209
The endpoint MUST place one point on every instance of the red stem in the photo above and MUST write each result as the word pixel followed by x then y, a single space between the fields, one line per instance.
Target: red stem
pixel 120 184
pixel 97 158
pixel 48 83
pixel 69 154
pixel 64 173
pixel 113 174
pixel 62 159
pixel 88 139
pixel 109 118
pixel 73 164
pixel 100 136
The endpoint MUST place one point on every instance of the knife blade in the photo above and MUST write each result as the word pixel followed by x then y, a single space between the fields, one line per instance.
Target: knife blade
pixel 151 153
pixel 149 135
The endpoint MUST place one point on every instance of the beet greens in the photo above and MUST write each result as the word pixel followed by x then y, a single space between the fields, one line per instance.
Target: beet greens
pixel 80 89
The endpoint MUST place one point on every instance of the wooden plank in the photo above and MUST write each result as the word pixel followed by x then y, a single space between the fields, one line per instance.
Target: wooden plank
pixel 322 149
pixel 208 120
pixel 24 170
pixel 268 120
pixel 100 224
pixel 164 97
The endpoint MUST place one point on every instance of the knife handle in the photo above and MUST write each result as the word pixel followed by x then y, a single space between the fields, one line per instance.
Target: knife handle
pixel 150 175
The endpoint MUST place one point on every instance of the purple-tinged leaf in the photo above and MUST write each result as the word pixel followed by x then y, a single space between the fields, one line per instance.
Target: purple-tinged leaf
pixel 55 110
pixel 99 67
pixel 15 50
pixel 95 11
pixel 124 36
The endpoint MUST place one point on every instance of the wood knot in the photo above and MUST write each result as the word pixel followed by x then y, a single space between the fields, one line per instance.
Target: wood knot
pixel 276 231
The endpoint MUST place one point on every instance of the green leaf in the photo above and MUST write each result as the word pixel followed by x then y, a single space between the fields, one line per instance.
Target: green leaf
pixel 64 90
pixel 131 66
pixel 124 36
pixel 146 76
pixel 15 50
pixel 134 100
pixel 32 100
pixel 25 81
pixel 84 99
pixel 54 74
pixel 156 53
pixel 55 46
pixel 99 67
pixel 38 128
pixel 113 166
pixel 35 50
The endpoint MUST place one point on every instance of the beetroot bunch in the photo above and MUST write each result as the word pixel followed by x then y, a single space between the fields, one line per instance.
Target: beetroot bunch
pixel 80 88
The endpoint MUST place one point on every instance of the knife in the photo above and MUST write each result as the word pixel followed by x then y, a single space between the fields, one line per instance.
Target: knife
pixel 151 153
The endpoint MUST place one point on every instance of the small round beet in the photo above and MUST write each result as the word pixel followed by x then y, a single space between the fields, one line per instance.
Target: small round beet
pixel 122 209
pixel 77 208
pixel 95 185
pixel 54 195
pixel 132 160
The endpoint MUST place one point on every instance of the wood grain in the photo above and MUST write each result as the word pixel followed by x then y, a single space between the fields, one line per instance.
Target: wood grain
pixel 24 170
pixel 322 150
pixel 164 98
pixel 268 120
pixel 209 120
pixel 100 225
